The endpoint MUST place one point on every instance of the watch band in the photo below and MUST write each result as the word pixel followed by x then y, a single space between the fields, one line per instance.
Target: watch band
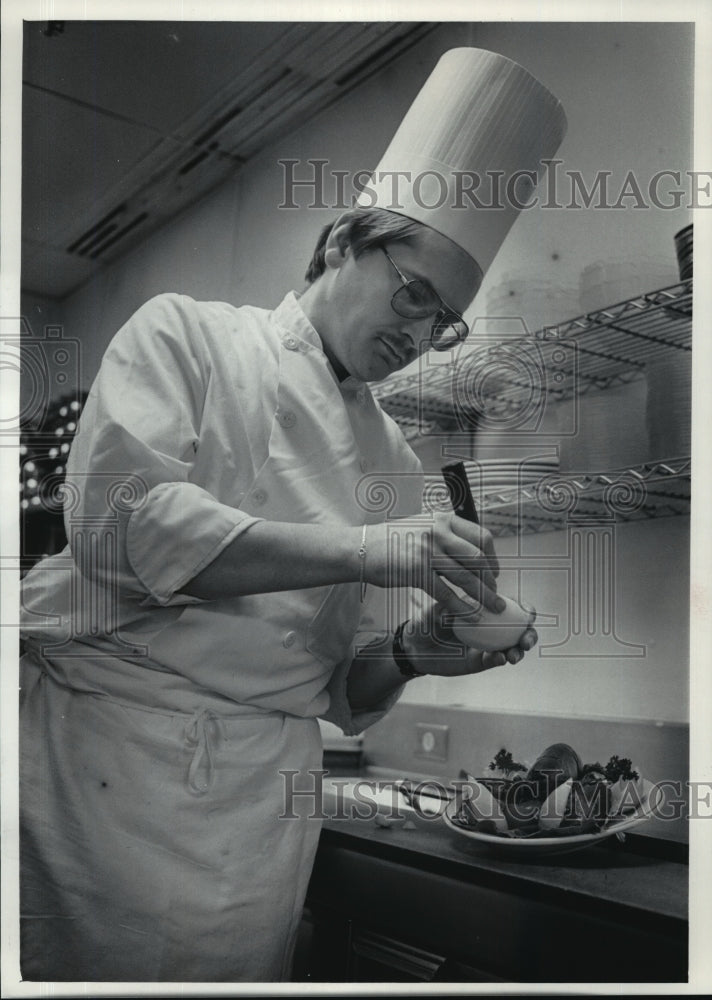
pixel 399 654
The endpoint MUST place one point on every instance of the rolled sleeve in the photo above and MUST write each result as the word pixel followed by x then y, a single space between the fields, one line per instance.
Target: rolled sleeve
pixel 177 533
pixel 131 462
pixel 373 631
pixel 350 721
pixel 354 721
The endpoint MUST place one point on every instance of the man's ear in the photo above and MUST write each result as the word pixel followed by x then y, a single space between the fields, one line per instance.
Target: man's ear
pixel 333 257
pixel 338 244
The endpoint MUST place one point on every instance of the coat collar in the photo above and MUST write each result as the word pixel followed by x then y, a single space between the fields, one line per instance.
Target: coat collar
pixel 290 315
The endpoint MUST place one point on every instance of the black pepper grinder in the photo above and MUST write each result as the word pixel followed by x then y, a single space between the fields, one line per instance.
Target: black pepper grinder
pixel 489 631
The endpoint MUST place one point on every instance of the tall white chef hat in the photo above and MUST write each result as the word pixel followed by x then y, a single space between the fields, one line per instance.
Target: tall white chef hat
pixel 481 124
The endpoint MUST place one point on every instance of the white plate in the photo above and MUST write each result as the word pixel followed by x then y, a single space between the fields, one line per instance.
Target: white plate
pixel 530 847
pixel 511 477
pixel 490 467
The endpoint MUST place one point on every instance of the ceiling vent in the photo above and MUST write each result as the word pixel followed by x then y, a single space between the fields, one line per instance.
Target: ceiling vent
pixel 296 71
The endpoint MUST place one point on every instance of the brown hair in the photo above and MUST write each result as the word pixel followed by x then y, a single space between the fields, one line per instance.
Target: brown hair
pixel 367 228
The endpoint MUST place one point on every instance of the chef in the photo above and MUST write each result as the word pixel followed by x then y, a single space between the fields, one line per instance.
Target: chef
pixel 209 607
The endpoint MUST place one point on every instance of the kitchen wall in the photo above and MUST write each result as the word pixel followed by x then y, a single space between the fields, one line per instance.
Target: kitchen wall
pixel 40 310
pixel 642 674
pixel 42 379
pixel 627 92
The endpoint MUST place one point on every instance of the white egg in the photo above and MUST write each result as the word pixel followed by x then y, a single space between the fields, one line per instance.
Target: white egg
pixel 552 811
pixel 481 804
pixel 489 631
pixel 626 795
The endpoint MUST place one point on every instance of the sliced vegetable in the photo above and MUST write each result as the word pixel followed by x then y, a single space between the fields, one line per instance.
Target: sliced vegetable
pixel 479 804
pixel 552 812
pixel 626 796
pixel 590 800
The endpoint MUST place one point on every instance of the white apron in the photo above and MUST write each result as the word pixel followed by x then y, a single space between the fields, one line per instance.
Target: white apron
pixel 152 844
pixel 154 849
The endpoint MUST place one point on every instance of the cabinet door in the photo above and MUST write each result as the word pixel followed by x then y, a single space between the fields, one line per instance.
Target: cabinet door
pixel 321 953
pixel 375 958
pixel 488 932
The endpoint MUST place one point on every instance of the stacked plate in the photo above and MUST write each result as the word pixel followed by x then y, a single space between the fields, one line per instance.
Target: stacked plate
pixel 495 475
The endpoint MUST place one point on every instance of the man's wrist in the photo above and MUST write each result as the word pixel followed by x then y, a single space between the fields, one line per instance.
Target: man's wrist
pixel 436 653
pixel 403 653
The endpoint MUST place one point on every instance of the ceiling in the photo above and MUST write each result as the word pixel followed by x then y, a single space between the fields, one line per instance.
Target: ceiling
pixel 126 123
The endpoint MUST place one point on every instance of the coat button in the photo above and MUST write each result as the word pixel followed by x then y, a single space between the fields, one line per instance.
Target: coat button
pixel 291 343
pixel 287 418
pixel 289 639
pixel 259 497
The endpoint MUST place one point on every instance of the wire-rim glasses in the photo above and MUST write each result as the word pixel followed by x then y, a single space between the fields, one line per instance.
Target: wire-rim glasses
pixel 416 299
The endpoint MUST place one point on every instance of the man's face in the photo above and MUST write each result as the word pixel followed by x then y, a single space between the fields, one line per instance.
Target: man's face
pixel 363 336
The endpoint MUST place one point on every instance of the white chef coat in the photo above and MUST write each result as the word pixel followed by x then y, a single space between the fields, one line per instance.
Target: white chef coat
pixel 159 723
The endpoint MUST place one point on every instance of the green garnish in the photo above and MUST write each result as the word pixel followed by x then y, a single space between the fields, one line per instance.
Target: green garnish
pixel 617 767
pixel 503 762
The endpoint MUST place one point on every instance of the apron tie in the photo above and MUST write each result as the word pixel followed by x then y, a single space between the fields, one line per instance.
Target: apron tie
pixel 197 735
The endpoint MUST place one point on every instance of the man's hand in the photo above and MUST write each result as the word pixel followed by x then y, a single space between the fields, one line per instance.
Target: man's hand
pixel 410 552
pixel 432 647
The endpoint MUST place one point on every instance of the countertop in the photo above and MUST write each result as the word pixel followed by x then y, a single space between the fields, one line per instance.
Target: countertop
pixel 646 875
pixel 416 895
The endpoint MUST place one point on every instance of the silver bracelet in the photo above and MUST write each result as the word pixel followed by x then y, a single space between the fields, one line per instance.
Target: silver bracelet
pixel 362 559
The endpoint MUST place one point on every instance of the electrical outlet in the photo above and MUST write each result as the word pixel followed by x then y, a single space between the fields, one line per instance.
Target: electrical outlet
pixel 431 740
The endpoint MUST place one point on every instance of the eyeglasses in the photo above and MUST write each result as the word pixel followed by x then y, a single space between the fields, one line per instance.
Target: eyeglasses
pixel 416 299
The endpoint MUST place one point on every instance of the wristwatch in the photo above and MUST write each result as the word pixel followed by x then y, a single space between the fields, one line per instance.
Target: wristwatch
pixel 399 654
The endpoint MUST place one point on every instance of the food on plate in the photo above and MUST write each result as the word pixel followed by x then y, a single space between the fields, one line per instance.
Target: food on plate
pixel 617 767
pixel 626 796
pixel 556 764
pixel 520 806
pixel 553 809
pixel 483 807
pixel 504 767
pixel 557 796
